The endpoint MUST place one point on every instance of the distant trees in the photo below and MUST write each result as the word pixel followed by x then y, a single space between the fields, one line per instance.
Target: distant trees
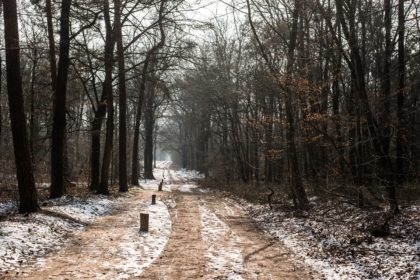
pixel 317 96
pixel 68 102
pixel 149 62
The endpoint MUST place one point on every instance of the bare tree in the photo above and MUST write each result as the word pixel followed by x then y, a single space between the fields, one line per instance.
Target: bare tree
pixel 59 115
pixel 24 170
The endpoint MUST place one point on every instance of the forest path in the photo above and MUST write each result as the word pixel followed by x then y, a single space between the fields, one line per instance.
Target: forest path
pixel 213 240
pixel 103 251
pixel 207 237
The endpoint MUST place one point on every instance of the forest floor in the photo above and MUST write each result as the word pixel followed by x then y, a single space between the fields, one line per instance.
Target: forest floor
pixel 203 233
pixel 193 234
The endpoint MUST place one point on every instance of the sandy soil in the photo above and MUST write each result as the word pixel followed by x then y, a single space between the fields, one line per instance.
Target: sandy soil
pixel 96 253
pixel 183 256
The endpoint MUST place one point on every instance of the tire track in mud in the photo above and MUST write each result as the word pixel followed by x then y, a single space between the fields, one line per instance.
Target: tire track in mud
pixel 183 256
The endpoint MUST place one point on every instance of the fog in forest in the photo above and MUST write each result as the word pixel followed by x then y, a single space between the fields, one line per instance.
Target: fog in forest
pixel 209 139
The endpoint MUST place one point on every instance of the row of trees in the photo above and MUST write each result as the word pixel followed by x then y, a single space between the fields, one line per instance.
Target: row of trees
pixel 67 107
pixel 308 93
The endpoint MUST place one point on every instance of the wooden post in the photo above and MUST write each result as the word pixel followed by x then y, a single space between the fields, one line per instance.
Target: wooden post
pixel 153 199
pixel 144 222
pixel 160 186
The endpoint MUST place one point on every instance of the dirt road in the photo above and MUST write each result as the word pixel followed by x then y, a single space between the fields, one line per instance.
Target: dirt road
pixel 208 238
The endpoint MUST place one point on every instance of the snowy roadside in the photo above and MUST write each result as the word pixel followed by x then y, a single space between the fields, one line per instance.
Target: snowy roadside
pixel 221 246
pixel 161 172
pixel 139 251
pixel 25 239
pixel 188 175
pixel 333 239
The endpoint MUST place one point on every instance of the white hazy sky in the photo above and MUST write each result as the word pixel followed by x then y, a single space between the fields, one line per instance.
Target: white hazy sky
pixel 211 11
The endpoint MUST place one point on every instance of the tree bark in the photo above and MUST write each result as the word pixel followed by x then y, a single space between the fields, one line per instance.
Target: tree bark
pixel 149 124
pixel 51 45
pixel 379 136
pixel 32 105
pixel 150 53
pixel 401 129
pixel 1 115
pixel 296 181
pixel 96 143
pixel 28 201
pixel 109 63
pixel 122 100
pixel 297 188
pixel 386 162
pixel 59 114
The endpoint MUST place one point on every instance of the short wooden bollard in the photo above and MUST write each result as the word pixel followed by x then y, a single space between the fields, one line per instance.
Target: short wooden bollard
pixel 144 222
pixel 160 186
pixel 153 199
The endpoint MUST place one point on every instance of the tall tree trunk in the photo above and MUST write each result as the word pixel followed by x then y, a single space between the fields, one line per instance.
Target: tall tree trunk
pixel 96 143
pixel 135 158
pixel 107 87
pixel 122 100
pixel 296 181
pixel 1 115
pixel 28 201
pixel 379 136
pixel 59 114
pixel 32 105
pixel 401 129
pixel 386 87
pixel 51 45
pixel 388 171
pixel 298 189
pixel 155 146
pixel 149 124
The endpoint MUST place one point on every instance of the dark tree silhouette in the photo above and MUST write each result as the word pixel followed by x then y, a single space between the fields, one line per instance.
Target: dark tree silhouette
pixel 24 170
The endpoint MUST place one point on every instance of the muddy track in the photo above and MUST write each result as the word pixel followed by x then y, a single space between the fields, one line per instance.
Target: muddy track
pixel 183 255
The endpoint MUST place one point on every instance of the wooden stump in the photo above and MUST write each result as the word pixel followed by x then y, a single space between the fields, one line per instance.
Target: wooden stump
pixel 153 199
pixel 160 186
pixel 144 222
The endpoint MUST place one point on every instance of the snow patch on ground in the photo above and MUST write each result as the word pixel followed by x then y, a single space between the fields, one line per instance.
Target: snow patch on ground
pixel 139 250
pixel 154 185
pixel 7 208
pixel 27 238
pixel 187 188
pixel 333 240
pixel 161 172
pixel 221 246
pixel 84 210
pixel 188 175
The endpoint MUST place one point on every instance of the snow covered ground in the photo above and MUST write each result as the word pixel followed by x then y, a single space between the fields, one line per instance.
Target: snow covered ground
pixel 161 172
pixel 334 239
pixel 187 188
pixel 84 210
pixel 140 251
pixel 28 237
pixel 188 175
pixel 26 240
pixel 222 251
pixel 7 208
